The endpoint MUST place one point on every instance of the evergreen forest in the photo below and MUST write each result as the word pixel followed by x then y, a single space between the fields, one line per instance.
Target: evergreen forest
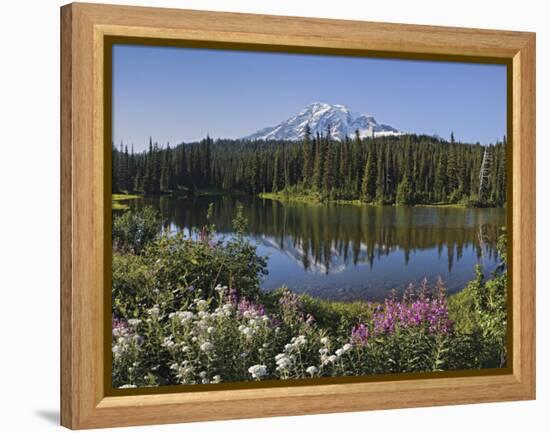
pixel 406 169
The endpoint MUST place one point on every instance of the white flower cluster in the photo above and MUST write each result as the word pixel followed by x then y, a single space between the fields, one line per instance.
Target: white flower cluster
pixel 186 374
pixel 247 331
pixel 284 361
pixel 154 311
pixel 134 323
pixel 184 317
pixel 168 342
pixel 326 358
pixel 220 289
pixel 258 371
pixel 201 304
pixel 207 346
pixel 312 370
pixel 124 339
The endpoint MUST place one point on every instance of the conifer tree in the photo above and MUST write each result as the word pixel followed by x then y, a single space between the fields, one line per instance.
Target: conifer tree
pixel 317 165
pixel 329 164
pixel 307 166
pixel 368 186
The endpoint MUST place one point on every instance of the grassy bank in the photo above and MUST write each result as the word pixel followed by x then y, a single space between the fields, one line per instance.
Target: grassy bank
pixel 306 198
pixel 117 200
pixel 315 198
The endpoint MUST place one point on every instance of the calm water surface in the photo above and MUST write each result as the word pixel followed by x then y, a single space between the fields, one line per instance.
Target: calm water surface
pixel 348 252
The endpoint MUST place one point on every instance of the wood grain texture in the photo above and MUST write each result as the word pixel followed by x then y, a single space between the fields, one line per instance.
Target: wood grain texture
pixel 84 27
pixel 67 387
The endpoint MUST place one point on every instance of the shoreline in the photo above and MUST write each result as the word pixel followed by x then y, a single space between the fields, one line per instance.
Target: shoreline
pixel 312 200
pixel 281 197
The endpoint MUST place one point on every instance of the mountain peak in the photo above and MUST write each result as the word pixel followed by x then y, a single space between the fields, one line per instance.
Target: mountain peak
pixel 322 117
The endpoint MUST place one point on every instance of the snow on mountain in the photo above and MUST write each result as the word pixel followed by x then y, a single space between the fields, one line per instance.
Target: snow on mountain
pixel 321 116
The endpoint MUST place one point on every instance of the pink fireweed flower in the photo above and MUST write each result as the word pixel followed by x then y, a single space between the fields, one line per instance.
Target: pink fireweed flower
pixel 360 335
pixel 247 308
pixel 416 309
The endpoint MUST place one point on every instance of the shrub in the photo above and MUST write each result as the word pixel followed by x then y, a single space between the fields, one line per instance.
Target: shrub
pixel 133 231
pixel 173 269
pixel 480 311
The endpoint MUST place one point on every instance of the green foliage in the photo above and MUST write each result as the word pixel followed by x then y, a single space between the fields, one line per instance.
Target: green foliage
pixel 368 186
pixel 405 193
pixel 212 340
pixel 189 310
pixel 370 169
pixel 132 231
pixel 331 315
pixel 480 311
pixel 149 268
pixel 133 286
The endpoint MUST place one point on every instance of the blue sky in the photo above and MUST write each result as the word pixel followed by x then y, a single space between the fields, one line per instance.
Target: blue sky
pixel 182 94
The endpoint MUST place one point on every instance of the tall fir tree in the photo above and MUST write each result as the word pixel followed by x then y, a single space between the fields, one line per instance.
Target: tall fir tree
pixel 368 186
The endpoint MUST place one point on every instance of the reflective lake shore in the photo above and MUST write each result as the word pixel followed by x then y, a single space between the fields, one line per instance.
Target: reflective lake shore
pixel 349 252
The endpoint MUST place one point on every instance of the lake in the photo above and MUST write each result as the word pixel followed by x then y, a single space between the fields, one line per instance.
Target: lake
pixel 350 252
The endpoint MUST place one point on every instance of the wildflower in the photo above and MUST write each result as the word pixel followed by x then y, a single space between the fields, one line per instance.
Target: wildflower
pixel 248 332
pixel 220 289
pixel 118 332
pixel 283 361
pixel 201 304
pixel 154 311
pixel 249 309
pixel 207 346
pixel 134 322
pixel 128 385
pixel 216 379
pixel 258 371
pixel 227 309
pixel 168 342
pixel 300 340
pixel 324 341
pixel 312 370
pixel 186 316
pixel 347 347
pixel 210 329
pixel 360 334
pixel 117 350
pixel 339 352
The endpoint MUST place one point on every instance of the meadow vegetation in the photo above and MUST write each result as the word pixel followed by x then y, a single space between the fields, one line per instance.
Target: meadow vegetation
pixel 189 310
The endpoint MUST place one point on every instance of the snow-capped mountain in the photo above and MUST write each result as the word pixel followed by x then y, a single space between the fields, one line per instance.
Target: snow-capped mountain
pixel 320 116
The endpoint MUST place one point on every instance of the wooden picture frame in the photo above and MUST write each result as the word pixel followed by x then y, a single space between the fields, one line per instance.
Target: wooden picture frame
pixel 85 217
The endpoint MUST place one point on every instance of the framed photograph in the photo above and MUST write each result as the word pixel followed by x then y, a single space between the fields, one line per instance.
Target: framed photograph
pixel 266 216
